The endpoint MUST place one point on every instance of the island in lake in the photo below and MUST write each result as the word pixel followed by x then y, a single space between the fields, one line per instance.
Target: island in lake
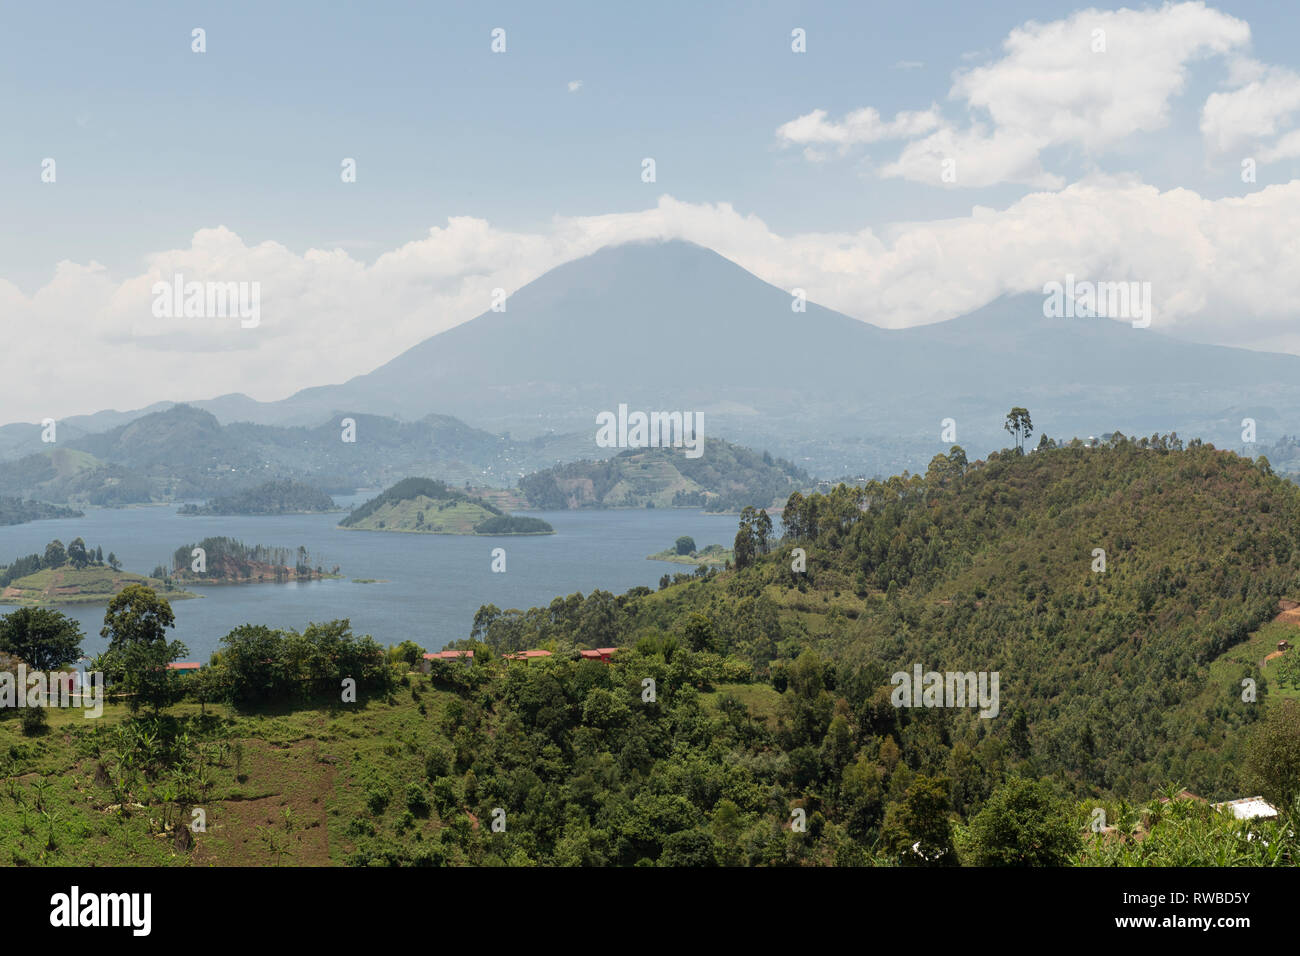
pixel 683 552
pixel 724 480
pixel 19 511
pixel 271 498
pixel 76 574
pixel 227 561
pixel 426 506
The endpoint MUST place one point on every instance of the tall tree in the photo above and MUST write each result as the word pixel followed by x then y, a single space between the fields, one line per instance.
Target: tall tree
pixel 138 652
pixel 55 555
pixel 77 555
pixel 744 543
pixel 918 829
pixel 1019 425
pixel 46 639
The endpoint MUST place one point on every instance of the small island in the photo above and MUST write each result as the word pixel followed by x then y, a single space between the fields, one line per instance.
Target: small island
pixel 271 498
pixel 426 506
pixel 76 574
pixel 18 511
pixel 683 552
pixel 227 561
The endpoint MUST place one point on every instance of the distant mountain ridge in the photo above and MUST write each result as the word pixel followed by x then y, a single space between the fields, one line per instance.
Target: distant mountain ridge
pixel 185 452
pixel 672 325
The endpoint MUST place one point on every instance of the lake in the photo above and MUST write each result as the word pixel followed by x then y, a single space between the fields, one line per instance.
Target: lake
pixel 434 583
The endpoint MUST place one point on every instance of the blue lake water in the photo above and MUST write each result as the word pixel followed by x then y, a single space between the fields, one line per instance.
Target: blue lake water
pixel 434 583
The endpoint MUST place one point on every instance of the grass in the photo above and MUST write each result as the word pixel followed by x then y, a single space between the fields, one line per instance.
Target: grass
pixel 92 585
pixel 712 554
pixel 457 518
pixel 298 791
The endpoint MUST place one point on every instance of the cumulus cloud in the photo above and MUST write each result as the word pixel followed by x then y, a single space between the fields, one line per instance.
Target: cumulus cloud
pixel 1220 269
pixel 861 126
pixel 1247 117
pixel 1087 82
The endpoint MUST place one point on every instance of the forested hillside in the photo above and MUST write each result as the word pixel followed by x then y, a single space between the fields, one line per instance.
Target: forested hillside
pixel 749 715
pixel 271 498
pixel 427 506
pixel 725 477
pixel 19 511
pixel 1112 680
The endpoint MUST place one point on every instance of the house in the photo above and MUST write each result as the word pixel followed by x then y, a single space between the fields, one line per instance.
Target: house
pixel 1249 808
pixel 525 655
pixel 185 667
pixel 1185 794
pixel 599 654
pixel 427 666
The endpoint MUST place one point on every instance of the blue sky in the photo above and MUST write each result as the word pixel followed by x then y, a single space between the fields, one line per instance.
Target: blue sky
pixel 153 141
pixel 230 159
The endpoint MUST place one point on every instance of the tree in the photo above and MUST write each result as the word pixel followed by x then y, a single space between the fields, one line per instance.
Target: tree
pixel 1024 824
pixel 699 632
pixel 77 555
pixel 409 653
pixel 957 459
pixel 1273 754
pixel 138 651
pixel 44 638
pixel 792 517
pixel 113 562
pixel 685 544
pixel 1019 425
pixel 745 546
pixel 253 657
pixel 918 829
pixel 55 556
pixel 762 531
pixel 99 555
pixel 1288 670
pixel 689 848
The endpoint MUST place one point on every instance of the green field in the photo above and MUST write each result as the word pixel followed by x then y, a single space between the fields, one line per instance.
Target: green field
pixel 439 517
pixel 66 585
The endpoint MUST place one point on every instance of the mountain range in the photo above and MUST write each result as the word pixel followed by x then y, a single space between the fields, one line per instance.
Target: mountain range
pixel 673 325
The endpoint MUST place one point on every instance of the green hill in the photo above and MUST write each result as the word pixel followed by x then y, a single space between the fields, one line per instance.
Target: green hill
pixel 426 506
pixel 725 477
pixel 69 585
pixel 1114 681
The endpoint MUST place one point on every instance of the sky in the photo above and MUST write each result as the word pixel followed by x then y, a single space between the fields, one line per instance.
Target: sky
pixel 910 164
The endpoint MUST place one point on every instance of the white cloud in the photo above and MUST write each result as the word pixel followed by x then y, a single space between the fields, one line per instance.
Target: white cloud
pixel 575 85
pixel 1220 269
pixel 1052 86
pixel 860 126
pixel 1252 113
